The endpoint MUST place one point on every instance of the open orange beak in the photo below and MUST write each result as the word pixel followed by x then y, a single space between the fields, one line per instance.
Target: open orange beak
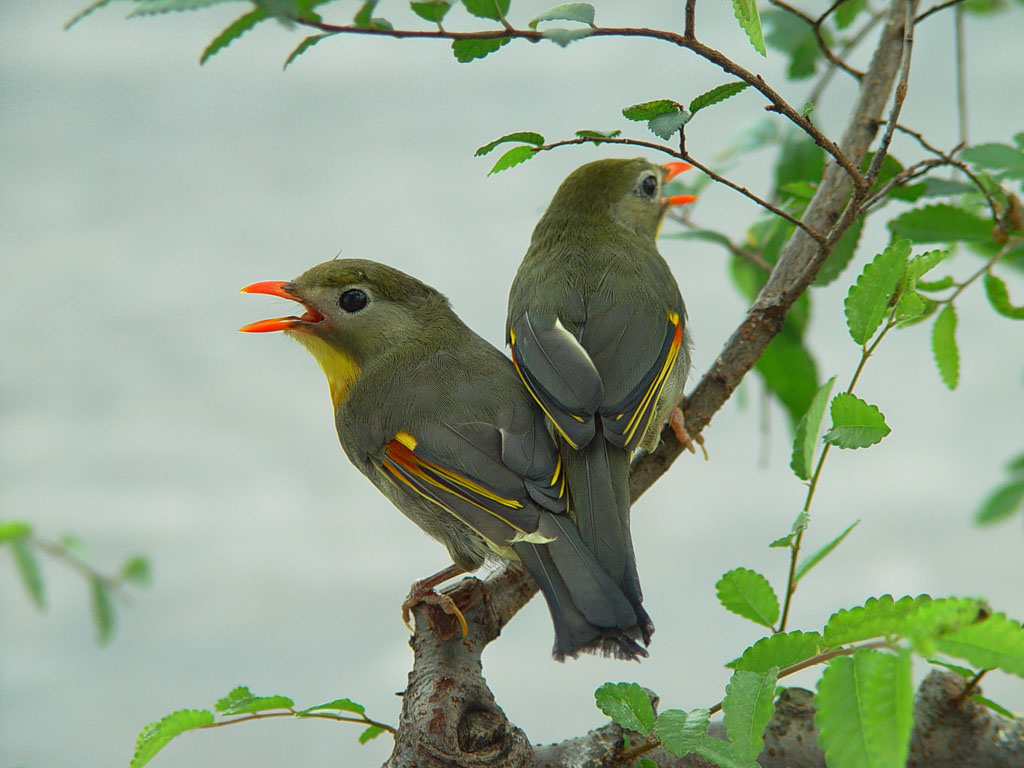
pixel 671 171
pixel 284 291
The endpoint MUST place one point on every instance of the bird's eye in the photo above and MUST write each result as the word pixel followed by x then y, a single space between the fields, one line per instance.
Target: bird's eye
pixel 352 300
pixel 648 186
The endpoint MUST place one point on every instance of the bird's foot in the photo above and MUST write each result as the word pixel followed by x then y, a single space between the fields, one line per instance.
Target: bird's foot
pixel 422 591
pixel 679 427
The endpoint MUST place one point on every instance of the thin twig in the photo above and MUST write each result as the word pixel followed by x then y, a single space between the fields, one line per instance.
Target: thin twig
pixel 935 9
pixel 971 685
pixel 815 25
pixel 289 712
pixel 831 68
pixel 65 555
pixel 691 20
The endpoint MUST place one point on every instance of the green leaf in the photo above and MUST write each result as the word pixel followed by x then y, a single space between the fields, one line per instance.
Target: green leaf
pixel 137 571
pixel 997 157
pixel 364 18
pixel 841 254
pixel 964 672
pixel 925 262
pixel 344 705
pixel 799 525
pixel 800 159
pixel 679 731
pixel 645 762
pixel 870 298
pixel 865 706
pixel 434 10
pixel 155 736
pixel 750 22
pixel 807 108
pixel 748 706
pixel 935 285
pixel 855 424
pixel 807 431
pixel 716 96
pixel 488 9
pixel 28 568
pixel 937 618
pixel 779 650
pixel 999 298
pixel 626 704
pixel 585 134
pixel 1001 503
pixel 945 187
pixel 370 734
pixel 304 46
pixel 941 223
pixel 241 701
pixel 14 529
pixel 789 372
pixel 846 12
pixel 467 50
pixel 151 7
pixel 232 32
pixel 911 306
pixel 563 37
pixel 993 643
pixel 821 554
pixel 650 109
pixel 748 594
pixel 995 707
pixel 666 124
pixel 581 12
pixel 878 617
pixel 95 6
pixel 102 611
pixel 889 170
pixel 526 137
pixel 513 157
pixel 788 33
pixel 944 350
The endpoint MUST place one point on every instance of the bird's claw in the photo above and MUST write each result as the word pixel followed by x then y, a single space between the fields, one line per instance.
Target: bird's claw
pixel 423 592
pixel 679 428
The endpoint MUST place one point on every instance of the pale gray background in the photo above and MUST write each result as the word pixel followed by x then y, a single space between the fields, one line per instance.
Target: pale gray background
pixel 140 191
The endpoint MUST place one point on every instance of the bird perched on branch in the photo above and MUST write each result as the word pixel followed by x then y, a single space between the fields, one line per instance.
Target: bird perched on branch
pixel 597 329
pixel 438 420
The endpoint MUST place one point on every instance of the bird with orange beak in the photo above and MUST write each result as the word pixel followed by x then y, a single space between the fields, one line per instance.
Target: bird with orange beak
pixel 598 333
pixel 440 423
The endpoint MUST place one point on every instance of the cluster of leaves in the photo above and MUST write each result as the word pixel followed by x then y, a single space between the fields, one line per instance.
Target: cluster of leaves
pixel 240 705
pixel 865 694
pixel 18 537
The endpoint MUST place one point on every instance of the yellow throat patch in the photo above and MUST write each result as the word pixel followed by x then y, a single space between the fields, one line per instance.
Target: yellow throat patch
pixel 338 365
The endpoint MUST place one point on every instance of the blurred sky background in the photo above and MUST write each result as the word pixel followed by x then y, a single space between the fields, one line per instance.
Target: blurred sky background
pixel 139 192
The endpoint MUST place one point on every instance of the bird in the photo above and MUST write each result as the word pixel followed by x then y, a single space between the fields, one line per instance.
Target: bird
pixel 598 334
pixel 438 420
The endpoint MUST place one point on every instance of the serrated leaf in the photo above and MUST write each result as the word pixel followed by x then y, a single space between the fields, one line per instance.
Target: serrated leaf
pixel 468 50
pixel 855 424
pixel 1002 502
pixel 488 9
pixel 666 124
pixel 999 298
pixel 102 610
pixel 232 32
pixel 780 650
pixel 808 563
pixel 14 529
pixel 748 594
pixel 992 643
pixel 841 254
pixel 799 525
pixel 750 22
pixel 865 710
pixel 748 706
pixel 878 617
pixel 870 298
pixel 526 137
pixel 581 12
pixel 944 349
pixel 910 306
pixel 941 223
pixel 304 46
pixel 137 571
pixel 344 705
pixel 563 37
pixel 28 568
pixel 597 135
pixel 513 157
pixel 627 704
pixel 716 96
pixel 936 618
pixel 807 431
pixel 923 263
pixel 649 109
pixel 996 157
pixel 679 731
pixel 371 733
pixel 242 701
pixel 847 11
pixel 434 10
pixel 155 736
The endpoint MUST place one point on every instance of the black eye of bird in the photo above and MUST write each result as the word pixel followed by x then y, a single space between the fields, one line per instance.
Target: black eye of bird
pixel 648 186
pixel 352 300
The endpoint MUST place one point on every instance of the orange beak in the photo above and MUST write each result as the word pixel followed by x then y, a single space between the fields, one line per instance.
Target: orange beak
pixel 282 290
pixel 671 171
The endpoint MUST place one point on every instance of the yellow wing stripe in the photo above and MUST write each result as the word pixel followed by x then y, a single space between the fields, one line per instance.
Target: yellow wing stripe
pixel 658 384
pixel 551 419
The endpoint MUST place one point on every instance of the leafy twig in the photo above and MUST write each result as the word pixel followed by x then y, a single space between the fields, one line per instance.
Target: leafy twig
pixel 67 556
pixel 815 25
